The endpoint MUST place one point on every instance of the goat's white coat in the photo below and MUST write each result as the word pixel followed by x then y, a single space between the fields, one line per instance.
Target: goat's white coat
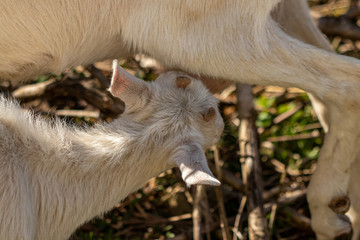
pixel 237 40
pixel 54 178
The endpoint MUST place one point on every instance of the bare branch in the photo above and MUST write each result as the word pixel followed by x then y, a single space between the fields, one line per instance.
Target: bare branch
pixel 250 161
pixel 220 199
pixel 341 26
pixel 199 189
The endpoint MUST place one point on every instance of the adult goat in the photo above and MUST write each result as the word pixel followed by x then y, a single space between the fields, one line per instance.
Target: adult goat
pixel 235 40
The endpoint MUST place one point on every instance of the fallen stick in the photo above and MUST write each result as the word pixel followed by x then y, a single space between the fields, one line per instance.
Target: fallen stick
pixel 301 136
pixel 31 90
pixel 78 113
pixel 220 199
pixel 196 214
pixel 288 198
pixel 300 221
pixel 230 179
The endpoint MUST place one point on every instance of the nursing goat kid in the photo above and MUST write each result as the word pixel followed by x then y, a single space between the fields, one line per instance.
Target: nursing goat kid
pixel 270 42
pixel 54 178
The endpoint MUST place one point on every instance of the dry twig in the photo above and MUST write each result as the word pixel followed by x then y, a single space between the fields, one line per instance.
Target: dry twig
pixel 220 199
pixel 196 215
pixel 237 233
pixel 104 81
pixel 299 220
pixel 345 25
pixel 250 160
pixel 32 90
pixel 78 113
pixel 288 198
pixel 230 179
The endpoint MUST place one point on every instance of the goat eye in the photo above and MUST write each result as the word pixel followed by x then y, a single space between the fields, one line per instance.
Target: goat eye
pixel 210 114
pixel 182 82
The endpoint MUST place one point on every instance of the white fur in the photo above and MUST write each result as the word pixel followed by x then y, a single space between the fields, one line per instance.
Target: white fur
pixel 54 178
pixel 251 41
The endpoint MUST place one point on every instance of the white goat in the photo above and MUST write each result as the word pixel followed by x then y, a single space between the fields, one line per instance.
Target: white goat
pixel 238 40
pixel 54 178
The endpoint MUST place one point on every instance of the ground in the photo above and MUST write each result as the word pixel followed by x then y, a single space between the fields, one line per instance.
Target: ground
pixel 290 139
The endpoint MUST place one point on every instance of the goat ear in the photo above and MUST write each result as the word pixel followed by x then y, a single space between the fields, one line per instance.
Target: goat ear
pixel 131 90
pixel 191 160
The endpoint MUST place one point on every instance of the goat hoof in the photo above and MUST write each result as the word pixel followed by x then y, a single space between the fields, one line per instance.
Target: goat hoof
pixel 340 205
pixel 346 233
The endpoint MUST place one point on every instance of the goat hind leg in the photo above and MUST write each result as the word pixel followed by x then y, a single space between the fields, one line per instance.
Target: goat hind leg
pixel 332 79
pixel 354 194
pixel 294 17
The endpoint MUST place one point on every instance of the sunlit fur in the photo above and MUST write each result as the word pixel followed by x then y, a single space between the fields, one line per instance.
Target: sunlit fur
pixel 54 177
pixel 252 41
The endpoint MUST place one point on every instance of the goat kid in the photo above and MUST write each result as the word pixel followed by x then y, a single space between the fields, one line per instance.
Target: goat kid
pixel 54 178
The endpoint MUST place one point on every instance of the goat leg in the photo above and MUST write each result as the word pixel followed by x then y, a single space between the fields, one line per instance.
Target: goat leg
pixel 354 194
pixel 329 77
